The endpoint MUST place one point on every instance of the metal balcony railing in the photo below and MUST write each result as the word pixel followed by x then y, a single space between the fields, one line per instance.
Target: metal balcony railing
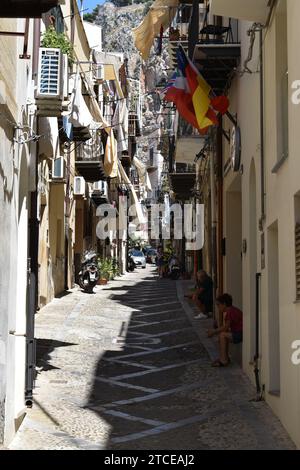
pixel 185 168
pixel 91 150
pixel 186 130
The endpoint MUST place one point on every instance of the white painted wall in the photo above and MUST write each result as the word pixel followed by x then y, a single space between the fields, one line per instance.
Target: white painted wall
pixel 281 188
pixel 15 170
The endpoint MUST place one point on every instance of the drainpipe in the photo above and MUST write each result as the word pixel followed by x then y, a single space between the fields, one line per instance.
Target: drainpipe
pixel 220 206
pixel 262 143
pixel 256 357
pixel 213 221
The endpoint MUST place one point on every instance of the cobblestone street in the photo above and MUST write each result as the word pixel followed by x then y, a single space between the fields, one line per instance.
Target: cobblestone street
pixel 128 368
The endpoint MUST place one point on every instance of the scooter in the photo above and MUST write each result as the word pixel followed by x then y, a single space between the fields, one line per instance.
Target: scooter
pixel 89 274
pixel 175 272
pixel 130 263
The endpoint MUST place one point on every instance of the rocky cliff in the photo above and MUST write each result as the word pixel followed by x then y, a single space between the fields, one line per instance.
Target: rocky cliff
pixel 117 23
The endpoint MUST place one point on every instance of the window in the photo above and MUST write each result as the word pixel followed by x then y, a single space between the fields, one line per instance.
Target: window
pixel 151 155
pixel 297 243
pixel 297 259
pixel 58 238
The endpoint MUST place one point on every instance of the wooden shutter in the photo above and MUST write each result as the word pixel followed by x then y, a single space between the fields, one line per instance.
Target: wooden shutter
pixel 297 259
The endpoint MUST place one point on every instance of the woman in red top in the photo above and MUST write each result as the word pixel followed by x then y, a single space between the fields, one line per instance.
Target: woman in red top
pixel 230 331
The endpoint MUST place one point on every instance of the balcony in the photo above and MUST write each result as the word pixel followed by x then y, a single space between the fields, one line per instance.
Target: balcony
pixel 26 8
pixel 217 58
pixel 183 180
pixel 256 10
pixel 182 184
pixel 217 51
pixel 89 159
pixel 188 144
pixel 134 128
pixel 178 35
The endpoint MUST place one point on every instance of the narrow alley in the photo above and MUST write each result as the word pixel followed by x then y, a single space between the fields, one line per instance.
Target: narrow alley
pixel 129 368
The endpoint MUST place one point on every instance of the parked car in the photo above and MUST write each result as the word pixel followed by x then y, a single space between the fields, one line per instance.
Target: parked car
pixel 151 256
pixel 138 258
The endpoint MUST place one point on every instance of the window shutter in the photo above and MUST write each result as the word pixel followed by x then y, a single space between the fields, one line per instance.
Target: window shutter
pixel 297 259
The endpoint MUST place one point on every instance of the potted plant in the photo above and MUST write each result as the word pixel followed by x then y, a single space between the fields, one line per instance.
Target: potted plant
pixel 103 266
pixel 51 38
pixel 115 267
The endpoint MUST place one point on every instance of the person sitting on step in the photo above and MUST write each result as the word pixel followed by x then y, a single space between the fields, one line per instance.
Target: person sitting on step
pixel 230 332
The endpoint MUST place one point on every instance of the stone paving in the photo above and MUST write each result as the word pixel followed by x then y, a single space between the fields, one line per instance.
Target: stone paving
pixel 129 368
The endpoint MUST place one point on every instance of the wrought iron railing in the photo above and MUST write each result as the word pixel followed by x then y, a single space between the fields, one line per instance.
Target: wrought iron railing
pixel 91 150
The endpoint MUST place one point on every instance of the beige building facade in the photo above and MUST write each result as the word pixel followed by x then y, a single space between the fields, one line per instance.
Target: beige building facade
pixel 261 207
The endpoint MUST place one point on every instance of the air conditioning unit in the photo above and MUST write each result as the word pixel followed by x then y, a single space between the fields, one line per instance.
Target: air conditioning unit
pixel 50 74
pixel 58 169
pixel 99 72
pixel 79 186
pixel 101 186
pixel 97 186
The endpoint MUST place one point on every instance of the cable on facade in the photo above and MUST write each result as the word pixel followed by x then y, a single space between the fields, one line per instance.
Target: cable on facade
pixel 252 33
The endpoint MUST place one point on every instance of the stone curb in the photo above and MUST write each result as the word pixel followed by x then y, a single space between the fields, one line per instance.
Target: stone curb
pixel 200 326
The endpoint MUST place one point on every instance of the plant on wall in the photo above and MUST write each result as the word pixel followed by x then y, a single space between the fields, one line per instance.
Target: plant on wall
pixel 51 38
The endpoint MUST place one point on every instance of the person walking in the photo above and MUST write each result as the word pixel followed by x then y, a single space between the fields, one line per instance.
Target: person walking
pixel 160 262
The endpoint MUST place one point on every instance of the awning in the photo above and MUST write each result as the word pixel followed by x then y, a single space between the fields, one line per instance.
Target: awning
pixel 110 74
pixel 111 156
pixel 254 10
pixel 162 13
pixel 143 174
pixel 138 206
pixel 49 142
pixel 97 116
pixel 80 114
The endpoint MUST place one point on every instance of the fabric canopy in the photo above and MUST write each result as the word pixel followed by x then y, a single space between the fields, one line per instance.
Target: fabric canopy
pixel 161 14
pixel 139 211
pixel 120 123
pixel 143 173
pixel 111 155
pixel 80 114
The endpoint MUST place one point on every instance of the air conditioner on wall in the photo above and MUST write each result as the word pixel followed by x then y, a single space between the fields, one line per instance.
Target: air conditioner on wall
pixel 101 186
pixel 79 186
pixel 50 74
pixel 97 186
pixel 99 72
pixel 58 169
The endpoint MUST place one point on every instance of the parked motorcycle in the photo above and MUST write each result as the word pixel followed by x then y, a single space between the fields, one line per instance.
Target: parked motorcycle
pixel 175 272
pixel 130 263
pixel 89 274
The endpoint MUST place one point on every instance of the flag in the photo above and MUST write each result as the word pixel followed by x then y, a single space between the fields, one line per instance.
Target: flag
pixel 191 94
pixel 177 92
pixel 161 14
pixel 205 108
pixel 170 83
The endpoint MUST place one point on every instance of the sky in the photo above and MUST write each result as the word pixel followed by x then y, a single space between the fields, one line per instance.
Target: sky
pixel 90 4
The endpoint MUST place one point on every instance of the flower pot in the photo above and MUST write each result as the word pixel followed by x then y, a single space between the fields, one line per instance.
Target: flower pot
pixel 102 282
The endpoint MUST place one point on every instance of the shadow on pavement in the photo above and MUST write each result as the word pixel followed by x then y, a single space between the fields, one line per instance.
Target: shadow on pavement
pixel 44 348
